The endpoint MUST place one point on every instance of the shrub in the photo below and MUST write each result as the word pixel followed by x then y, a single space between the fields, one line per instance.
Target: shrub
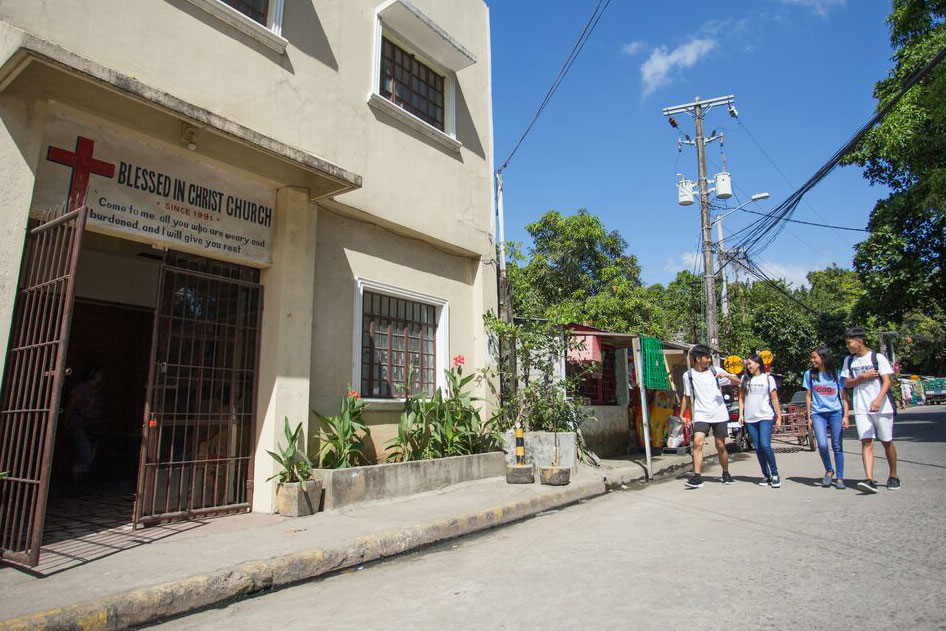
pixel 343 435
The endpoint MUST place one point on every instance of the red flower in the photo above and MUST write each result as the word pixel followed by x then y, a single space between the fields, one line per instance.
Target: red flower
pixel 459 360
pixel 353 394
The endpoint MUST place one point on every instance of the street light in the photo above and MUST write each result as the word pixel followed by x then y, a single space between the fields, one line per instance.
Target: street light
pixel 722 247
pixel 755 198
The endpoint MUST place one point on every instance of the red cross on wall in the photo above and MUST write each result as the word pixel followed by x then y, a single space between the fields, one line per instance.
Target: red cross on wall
pixel 83 164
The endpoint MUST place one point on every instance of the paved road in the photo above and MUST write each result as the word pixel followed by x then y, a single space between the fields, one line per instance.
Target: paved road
pixel 737 557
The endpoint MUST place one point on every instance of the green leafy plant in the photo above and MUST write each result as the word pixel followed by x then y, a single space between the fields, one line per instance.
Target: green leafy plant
pixel 343 435
pixel 535 395
pixel 296 466
pixel 443 424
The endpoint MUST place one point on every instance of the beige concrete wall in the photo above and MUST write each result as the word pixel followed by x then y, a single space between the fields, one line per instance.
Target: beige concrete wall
pixel 421 220
pixel 313 97
pixel 607 433
pixel 349 249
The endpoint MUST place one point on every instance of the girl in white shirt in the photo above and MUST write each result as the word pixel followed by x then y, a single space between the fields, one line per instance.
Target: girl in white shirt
pixel 759 411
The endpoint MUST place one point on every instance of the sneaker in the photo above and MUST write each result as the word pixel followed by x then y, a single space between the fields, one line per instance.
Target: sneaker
pixel 893 484
pixel 828 478
pixel 775 482
pixel 867 486
pixel 727 479
pixel 765 482
pixel 695 482
pixel 839 484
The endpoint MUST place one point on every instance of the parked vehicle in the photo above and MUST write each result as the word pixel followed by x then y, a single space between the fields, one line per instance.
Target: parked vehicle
pixel 935 388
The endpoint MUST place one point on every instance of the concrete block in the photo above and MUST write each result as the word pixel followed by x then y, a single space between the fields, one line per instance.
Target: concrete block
pixel 554 476
pixel 398 479
pixel 541 448
pixel 298 499
pixel 520 474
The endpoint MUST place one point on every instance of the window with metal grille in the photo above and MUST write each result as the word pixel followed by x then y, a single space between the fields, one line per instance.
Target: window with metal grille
pixel 398 338
pixel 596 388
pixel 256 10
pixel 411 84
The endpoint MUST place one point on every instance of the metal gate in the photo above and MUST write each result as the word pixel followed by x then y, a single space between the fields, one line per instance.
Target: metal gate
pixel 33 379
pixel 198 430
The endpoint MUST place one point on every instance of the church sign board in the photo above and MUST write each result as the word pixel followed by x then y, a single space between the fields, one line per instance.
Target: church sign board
pixel 141 192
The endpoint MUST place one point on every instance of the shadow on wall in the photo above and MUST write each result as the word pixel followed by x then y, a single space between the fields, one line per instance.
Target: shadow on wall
pixel 303 28
pixel 225 29
pixel 466 128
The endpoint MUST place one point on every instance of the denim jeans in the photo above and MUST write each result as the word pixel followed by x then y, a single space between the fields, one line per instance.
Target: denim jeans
pixel 761 434
pixel 821 422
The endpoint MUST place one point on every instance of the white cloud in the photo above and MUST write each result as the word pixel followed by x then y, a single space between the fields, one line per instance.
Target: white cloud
pixel 820 7
pixel 633 48
pixel 684 261
pixel 655 72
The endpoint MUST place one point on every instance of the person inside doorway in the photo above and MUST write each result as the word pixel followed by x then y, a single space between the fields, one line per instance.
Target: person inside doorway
pixel 868 374
pixel 85 419
pixel 703 395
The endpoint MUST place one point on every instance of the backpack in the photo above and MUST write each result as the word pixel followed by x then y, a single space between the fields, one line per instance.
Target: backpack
pixel 873 362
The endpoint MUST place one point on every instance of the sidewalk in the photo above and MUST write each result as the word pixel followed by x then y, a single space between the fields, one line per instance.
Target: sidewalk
pixel 174 569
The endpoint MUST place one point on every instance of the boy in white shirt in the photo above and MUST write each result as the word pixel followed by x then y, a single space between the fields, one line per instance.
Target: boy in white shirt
pixel 702 394
pixel 868 375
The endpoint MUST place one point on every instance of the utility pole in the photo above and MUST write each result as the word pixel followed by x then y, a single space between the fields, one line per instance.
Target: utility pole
pixel 709 278
pixel 722 266
pixel 698 109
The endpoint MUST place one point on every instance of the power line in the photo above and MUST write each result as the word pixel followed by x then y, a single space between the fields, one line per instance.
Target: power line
pixel 809 223
pixel 782 173
pixel 767 229
pixel 569 61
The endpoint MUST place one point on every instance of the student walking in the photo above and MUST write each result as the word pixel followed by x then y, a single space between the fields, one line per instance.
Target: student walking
pixel 758 411
pixel 702 395
pixel 826 410
pixel 868 374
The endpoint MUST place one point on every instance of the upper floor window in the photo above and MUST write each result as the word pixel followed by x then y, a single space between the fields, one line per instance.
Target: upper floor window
pixel 259 19
pixel 257 10
pixel 411 84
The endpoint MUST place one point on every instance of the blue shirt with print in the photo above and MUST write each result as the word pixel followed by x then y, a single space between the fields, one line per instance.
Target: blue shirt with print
pixel 824 392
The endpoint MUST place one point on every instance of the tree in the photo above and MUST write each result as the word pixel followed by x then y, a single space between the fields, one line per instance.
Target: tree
pixel 902 263
pixel 579 271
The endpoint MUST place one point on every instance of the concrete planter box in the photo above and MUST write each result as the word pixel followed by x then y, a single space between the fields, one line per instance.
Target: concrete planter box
pixel 298 499
pixel 398 479
pixel 540 448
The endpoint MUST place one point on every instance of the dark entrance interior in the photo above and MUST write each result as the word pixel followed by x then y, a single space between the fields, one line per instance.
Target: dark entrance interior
pixel 116 338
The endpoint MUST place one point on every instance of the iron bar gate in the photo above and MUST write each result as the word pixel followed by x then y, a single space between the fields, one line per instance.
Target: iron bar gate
pixel 33 380
pixel 198 434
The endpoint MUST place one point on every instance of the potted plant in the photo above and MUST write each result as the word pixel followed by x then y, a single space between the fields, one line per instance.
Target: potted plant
pixel 297 494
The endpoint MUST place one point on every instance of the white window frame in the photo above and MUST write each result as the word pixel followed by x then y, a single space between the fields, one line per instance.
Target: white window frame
pixel 442 337
pixel 448 137
pixel 269 35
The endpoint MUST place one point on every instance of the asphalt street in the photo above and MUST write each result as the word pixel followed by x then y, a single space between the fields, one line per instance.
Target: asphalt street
pixel 721 557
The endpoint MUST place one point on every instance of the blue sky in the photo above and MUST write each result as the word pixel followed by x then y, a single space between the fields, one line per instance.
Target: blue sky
pixel 802 72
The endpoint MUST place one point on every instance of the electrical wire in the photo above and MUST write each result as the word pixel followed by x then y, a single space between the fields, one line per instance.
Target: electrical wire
pixel 767 229
pixel 809 223
pixel 583 38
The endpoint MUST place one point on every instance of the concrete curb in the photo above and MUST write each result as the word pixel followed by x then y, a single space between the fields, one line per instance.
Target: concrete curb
pixel 633 476
pixel 143 606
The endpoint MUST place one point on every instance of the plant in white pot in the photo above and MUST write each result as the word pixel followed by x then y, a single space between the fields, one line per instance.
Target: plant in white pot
pixel 297 494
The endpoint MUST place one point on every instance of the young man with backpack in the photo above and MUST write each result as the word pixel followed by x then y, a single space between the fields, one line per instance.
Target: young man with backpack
pixel 702 395
pixel 868 374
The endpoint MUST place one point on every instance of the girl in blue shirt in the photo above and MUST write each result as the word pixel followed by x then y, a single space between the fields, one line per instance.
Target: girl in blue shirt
pixel 827 411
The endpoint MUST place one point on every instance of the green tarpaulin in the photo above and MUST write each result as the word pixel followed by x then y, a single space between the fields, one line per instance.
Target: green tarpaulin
pixel 655 368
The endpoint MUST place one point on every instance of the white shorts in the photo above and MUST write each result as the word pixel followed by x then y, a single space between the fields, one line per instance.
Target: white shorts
pixel 874 425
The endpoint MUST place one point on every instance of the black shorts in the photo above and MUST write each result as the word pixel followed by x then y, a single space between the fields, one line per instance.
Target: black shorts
pixel 720 430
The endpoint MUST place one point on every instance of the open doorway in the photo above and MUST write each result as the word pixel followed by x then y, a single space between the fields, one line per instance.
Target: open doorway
pixel 95 463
